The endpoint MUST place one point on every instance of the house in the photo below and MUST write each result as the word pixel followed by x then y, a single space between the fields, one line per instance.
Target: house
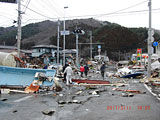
pixel 47 53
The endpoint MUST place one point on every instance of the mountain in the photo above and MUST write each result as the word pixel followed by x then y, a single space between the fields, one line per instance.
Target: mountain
pixel 114 39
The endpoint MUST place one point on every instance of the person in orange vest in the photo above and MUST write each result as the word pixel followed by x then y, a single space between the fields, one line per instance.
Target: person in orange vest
pixel 82 70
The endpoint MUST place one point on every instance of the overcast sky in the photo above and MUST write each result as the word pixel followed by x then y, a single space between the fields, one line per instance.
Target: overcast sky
pixel 128 13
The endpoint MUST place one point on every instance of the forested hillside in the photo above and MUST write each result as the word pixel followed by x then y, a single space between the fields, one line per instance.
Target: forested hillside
pixel 114 38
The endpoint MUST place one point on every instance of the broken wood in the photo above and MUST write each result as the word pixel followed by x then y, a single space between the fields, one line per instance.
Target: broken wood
pixel 32 88
pixel 58 87
pixel 18 91
pixel 131 91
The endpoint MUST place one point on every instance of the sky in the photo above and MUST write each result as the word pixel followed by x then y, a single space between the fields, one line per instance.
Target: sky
pixel 128 13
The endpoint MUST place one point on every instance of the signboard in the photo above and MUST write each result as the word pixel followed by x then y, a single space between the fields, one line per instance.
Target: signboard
pixel 65 32
pixel 9 1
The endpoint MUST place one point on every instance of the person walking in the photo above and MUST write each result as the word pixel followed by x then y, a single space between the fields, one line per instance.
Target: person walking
pixel 103 67
pixel 65 74
pixel 86 69
pixel 69 73
pixel 82 70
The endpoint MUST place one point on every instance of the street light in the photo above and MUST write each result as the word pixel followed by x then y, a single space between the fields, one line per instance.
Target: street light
pixel 64 36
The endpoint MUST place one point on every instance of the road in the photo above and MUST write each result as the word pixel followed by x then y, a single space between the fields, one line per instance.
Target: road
pixel 106 105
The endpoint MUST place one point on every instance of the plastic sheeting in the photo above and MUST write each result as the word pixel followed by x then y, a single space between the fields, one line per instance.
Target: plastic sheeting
pixel 7 59
pixel 155 65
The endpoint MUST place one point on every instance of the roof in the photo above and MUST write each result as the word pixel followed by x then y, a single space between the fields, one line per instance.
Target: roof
pixel 7 47
pixel 69 51
pixel 44 46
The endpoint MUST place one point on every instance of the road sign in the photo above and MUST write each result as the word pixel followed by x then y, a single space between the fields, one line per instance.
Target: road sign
pixel 99 46
pixel 65 32
pixel 9 1
pixel 155 44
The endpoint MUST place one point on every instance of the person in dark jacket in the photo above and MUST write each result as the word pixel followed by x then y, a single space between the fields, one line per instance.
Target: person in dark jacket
pixel 86 69
pixel 103 67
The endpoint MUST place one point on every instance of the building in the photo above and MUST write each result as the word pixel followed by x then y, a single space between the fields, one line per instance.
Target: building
pixel 7 49
pixel 13 49
pixel 47 53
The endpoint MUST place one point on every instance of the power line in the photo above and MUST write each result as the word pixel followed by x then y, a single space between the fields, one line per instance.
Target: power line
pixel 38 13
pixel 46 7
pixel 26 6
pixel 130 12
pixel 58 8
pixel 6 17
pixel 92 15
pixel 126 8
pixel 108 15
pixel 118 12
pixel 51 6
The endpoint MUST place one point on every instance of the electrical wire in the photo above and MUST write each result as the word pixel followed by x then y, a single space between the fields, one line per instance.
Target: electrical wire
pixel 115 13
pixel 56 6
pixel 46 6
pixel 98 15
pixel 38 13
pixel 108 14
pixel 125 8
pixel 27 4
pixel 6 17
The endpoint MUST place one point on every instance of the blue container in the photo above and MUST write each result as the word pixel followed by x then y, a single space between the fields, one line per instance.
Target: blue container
pixel 22 76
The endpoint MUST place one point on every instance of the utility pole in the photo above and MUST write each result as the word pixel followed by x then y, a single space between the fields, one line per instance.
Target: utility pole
pixel 77 49
pixel 149 39
pixel 64 44
pixel 19 28
pixel 91 44
pixel 58 42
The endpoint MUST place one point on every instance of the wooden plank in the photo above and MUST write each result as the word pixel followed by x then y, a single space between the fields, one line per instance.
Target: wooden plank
pixel 18 91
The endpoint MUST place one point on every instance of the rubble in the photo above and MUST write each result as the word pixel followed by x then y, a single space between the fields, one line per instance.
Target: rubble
pixel 4 99
pixel 79 92
pixel 5 91
pixel 14 111
pixel 61 102
pixel 131 91
pixel 48 112
pixel 127 95
pixel 34 87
